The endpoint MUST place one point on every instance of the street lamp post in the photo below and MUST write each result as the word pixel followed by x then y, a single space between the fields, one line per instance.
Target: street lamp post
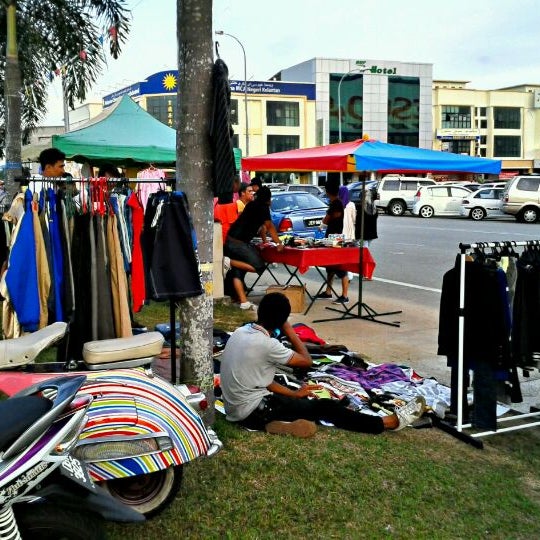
pixel 222 33
pixel 355 70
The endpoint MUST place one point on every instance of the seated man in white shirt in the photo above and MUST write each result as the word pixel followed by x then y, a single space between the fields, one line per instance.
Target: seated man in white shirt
pixel 256 401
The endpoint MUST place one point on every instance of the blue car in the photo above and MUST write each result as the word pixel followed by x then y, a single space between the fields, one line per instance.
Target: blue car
pixel 297 212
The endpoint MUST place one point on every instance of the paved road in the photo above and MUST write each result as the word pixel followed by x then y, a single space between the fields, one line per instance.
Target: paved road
pixel 412 255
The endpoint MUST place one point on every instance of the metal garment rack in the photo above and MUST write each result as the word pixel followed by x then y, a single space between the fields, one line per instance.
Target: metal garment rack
pixel 457 430
pixel 361 306
pixel 167 183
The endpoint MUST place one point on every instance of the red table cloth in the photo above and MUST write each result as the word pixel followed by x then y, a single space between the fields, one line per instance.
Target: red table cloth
pixel 340 258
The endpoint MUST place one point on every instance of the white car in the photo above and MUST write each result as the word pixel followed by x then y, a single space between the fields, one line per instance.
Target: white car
pixel 441 200
pixel 485 202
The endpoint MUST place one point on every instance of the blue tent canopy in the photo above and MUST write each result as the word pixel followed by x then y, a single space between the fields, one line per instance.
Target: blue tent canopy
pixel 386 158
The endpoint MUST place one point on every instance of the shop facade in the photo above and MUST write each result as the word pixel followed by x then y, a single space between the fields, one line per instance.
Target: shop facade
pixel 502 124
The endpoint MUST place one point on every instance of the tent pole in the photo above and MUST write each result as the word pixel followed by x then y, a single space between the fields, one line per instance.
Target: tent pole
pixel 371 314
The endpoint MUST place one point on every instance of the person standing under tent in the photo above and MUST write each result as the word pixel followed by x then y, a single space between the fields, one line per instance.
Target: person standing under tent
pixel 334 225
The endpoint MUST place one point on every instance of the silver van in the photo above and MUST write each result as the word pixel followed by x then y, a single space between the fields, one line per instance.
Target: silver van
pixel 521 198
pixel 396 193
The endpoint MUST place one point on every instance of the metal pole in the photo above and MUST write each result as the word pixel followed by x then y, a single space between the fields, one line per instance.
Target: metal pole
pixel 339 111
pixel 222 33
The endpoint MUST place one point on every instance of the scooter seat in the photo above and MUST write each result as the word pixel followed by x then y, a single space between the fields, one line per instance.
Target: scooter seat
pixel 23 350
pixel 18 414
pixel 105 351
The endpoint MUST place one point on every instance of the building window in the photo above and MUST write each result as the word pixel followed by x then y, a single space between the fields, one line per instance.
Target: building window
pixel 403 113
pixel 350 98
pixel 282 113
pixel 460 147
pixel 483 123
pixel 163 108
pixel 506 146
pixel 480 111
pixel 280 143
pixel 507 118
pixel 234 111
pixel 483 140
pixel 454 117
pixel 482 152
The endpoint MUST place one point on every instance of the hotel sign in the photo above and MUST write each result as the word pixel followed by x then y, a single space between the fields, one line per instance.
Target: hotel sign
pixel 375 69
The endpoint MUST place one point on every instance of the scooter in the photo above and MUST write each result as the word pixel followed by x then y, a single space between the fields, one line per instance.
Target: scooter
pixel 44 491
pixel 141 429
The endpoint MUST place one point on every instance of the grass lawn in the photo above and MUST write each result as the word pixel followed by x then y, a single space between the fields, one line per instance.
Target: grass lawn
pixel 413 484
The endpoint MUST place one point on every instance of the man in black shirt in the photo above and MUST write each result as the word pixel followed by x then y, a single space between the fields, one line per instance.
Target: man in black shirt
pixel 334 225
pixel 245 257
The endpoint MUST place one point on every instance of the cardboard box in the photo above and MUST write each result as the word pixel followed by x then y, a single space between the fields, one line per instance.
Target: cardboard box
pixel 295 293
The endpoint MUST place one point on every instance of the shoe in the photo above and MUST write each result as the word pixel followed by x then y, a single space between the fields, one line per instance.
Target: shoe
pixel 324 295
pixel 341 300
pixel 226 265
pixel 297 428
pixel 410 412
pixel 248 305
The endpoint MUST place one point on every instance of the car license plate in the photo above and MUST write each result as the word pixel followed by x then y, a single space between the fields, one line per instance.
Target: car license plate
pixel 76 470
pixel 314 222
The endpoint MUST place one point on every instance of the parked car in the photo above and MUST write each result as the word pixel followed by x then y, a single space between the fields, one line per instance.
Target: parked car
pixel 318 191
pixel 355 189
pixel 297 212
pixel 442 200
pixel 396 193
pixel 522 198
pixel 473 186
pixel 485 202
pixel 495 184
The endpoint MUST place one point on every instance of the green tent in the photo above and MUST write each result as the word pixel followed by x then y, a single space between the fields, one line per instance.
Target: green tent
pixel 123 134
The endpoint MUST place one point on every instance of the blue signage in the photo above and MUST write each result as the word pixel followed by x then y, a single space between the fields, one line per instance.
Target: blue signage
pixel 133 90
pixel 275 87
pixel 166 82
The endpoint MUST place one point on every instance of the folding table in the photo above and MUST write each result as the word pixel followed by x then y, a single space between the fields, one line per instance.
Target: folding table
pixel 299 260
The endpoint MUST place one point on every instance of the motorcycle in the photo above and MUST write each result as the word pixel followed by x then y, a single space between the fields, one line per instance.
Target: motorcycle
pixel 44 491
pixel 141 429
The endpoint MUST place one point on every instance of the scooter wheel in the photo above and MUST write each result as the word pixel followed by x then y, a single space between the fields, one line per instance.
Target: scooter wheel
pixel 50 522
pixel 149 493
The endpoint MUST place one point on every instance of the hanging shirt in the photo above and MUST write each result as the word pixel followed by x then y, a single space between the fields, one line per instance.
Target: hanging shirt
pixel 146 189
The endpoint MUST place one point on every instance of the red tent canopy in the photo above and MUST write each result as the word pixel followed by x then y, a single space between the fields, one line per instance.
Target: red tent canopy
pixel 332 158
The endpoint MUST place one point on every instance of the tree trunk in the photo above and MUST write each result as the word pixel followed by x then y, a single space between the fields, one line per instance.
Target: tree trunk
pixel 194 161
pixel 12 96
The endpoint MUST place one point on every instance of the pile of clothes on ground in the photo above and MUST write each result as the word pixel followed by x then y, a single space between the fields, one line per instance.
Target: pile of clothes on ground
pixel 343 374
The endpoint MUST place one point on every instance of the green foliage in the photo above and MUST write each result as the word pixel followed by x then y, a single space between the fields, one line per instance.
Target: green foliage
pixel 50 36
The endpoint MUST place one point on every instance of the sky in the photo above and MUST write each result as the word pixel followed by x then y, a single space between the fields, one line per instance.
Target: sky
pixel 491 43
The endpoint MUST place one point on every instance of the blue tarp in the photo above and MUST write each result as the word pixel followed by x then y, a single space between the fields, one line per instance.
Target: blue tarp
pixel 385 157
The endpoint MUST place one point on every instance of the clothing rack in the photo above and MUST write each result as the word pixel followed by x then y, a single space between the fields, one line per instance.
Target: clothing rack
pixel 169 182
pixel 457 430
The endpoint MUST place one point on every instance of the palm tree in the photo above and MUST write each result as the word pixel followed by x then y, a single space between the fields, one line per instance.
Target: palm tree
pixel 194 162
pixel 46 39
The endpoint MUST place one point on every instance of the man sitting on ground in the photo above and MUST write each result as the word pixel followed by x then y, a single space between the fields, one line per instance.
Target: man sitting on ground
pixel 256 401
